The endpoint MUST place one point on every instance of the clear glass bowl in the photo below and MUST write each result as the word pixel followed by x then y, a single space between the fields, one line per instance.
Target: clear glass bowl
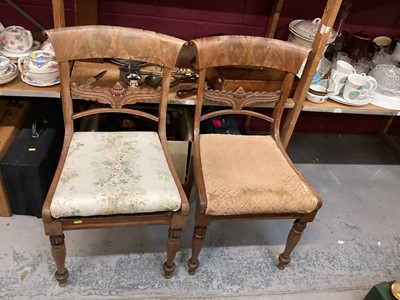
pixel 388 79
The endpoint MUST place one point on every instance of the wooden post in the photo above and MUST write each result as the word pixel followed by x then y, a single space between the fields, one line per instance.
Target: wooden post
pixel 273 19
pixel 328 19
pixel 58 13
pixel 387 139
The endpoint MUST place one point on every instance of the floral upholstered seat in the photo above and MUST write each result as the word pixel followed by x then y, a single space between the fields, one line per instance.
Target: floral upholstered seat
pixel 104 174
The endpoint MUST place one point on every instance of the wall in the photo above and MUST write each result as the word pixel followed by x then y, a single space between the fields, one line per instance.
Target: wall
pixel 192 18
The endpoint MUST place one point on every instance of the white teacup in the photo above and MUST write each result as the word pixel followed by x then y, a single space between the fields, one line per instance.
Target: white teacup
pixel 359 86
pixel 351 94
pixel 344 67
pixel 356 80
pixel 39 61
pixel 40 66
pixel 4 64
pixel 339 80
pixel 16 39
pixel 42 77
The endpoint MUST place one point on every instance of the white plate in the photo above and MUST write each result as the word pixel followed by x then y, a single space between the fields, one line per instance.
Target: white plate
pixel 8 54
pixel 386 101
pixel 29 81
pixel 359 102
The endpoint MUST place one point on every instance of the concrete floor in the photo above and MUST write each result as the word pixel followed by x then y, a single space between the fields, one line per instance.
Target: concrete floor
pixel 353 244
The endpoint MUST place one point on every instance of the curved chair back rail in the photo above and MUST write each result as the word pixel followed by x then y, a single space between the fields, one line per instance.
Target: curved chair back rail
pixel 234 50
pixel 102 41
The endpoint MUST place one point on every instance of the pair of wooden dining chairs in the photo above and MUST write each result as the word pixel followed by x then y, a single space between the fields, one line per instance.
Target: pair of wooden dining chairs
pixel 127 178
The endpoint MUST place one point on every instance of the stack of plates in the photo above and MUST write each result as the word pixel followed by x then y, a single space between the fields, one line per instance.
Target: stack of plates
pixel 10 74
pixel 302 32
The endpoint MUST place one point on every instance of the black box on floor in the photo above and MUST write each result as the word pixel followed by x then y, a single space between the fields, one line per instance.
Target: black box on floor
pixel 28 168
pixel 29 164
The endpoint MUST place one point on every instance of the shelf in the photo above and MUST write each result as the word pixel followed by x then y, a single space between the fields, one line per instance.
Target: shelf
pixel 21 89
pixel 333 107
pixel 84 70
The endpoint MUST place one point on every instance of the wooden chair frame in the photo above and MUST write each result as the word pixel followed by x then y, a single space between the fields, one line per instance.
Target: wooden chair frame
pixel 256 52
pixel 88 42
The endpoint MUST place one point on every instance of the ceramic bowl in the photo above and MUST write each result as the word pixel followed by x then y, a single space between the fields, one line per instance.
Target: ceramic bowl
pixel 387 78
pixel 317 93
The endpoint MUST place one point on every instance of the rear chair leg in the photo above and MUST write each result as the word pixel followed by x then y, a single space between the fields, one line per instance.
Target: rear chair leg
pixel 59 252
pixel 293 238
pixel 173 246
pixel 197 243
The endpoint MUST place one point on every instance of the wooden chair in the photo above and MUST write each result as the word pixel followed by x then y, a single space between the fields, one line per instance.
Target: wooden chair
pixel 247 176
pixel 114 179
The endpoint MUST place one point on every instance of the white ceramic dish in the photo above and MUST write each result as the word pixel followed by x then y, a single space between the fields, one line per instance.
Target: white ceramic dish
pixel 307 29
pixel 8 54
pixel 29 81
pixel 386 101
pixel 10 74
pixel 316 98
pixel 358 102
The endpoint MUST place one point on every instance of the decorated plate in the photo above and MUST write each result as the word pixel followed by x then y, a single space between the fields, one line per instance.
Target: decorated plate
pixel 29 81
pixel 8 54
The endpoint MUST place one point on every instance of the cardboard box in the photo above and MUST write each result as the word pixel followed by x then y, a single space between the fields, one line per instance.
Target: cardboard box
pixel 179 151
pixel 12 118
pixel 251 80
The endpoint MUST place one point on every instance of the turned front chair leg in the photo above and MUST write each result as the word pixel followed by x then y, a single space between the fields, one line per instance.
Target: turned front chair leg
pixel 173 246
pixel 58 252
pixel 293 238
pixel 197 243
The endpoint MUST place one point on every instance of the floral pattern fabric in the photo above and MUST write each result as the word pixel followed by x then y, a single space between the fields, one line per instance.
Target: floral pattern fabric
pixel 114 173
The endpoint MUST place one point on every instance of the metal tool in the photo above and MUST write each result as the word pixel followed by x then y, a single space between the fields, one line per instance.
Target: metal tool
pixel 186 92
pixel 94 78
pixel 183 79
